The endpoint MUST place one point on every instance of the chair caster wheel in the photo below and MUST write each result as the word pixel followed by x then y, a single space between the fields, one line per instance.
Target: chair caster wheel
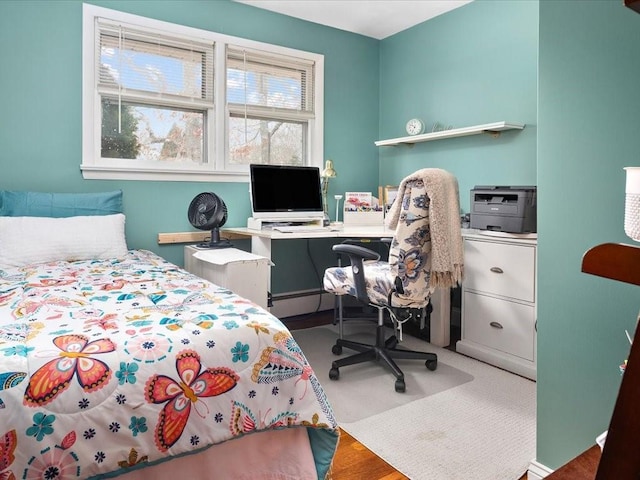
pixel 337 349
pixel 431 364
pixel 334 374
pixel 400 386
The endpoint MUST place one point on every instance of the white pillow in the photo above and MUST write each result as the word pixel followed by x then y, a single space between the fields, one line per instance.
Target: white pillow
pixel 27 240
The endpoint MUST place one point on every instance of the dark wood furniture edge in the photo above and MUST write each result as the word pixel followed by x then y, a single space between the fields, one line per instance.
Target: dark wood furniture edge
pixel 616 261
pixel 633 5
pixel 619 459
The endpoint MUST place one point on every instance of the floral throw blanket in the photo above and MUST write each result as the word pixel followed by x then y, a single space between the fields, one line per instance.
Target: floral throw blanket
pixel 111 365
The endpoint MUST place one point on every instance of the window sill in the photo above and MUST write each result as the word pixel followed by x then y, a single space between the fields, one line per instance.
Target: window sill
pixel 109 173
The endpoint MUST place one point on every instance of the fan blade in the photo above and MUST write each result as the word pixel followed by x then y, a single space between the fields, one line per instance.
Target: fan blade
pixel 206 207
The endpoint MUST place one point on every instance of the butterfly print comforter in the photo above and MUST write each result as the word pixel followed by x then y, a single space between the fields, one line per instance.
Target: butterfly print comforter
pixel 107 366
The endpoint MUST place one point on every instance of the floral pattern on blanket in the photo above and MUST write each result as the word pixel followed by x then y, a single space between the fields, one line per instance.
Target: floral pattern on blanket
pixel 106 365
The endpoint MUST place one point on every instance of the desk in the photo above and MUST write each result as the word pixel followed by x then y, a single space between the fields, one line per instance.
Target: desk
pixel 440 300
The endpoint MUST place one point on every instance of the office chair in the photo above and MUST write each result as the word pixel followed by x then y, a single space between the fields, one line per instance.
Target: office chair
pixel 425 253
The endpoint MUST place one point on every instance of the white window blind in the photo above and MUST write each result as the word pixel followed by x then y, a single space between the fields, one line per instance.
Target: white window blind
pixel 268 84
pixel 149 66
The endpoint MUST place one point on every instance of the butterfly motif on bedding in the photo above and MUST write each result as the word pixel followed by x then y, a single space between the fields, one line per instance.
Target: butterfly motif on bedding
pixel 35 304
pixel 119 284
pixel 133 460
pixel 284 361
pixel 50 282
pixel 180 395
pixel 75 358
pixel 14 332
pixel 187 304
pixel 246 314
pixel 8 444
pixel 11 379
pixel 243 420
pixel 7 295
pixel 204 320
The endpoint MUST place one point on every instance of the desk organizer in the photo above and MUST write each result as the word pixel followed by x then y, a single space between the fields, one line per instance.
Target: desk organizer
pixel 370 217
pixel 362 208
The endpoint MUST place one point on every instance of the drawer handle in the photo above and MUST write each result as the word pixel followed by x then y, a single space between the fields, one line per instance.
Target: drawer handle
pixel 496 270
pixel 496 325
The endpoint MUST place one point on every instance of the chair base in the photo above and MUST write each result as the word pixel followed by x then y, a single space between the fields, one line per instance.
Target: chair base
pixel 385 350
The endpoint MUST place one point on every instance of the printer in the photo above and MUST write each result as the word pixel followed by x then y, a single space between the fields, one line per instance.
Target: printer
pixel 506 209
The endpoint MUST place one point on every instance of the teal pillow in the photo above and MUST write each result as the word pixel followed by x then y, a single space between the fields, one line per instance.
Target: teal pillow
pixel 58 205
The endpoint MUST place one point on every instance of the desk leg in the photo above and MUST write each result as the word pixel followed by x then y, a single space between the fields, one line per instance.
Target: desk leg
pixel 440 318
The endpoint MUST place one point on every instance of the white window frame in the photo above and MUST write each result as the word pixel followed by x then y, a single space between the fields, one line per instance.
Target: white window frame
pixel 217 168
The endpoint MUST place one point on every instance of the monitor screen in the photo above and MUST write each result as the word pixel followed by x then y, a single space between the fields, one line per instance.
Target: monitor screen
pixel 283 191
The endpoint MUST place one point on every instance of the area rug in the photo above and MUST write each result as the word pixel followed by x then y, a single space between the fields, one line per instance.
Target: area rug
pixel 366 389
pixel 466 420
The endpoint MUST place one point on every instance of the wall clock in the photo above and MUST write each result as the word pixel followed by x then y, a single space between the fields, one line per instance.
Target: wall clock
pixel 415 126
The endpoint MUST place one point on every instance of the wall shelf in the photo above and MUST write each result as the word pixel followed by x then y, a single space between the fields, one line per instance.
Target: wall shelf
pixel 491 128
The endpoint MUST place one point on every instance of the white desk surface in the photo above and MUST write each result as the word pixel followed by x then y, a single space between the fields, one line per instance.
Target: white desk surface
pixel 261 245
pixel 333 231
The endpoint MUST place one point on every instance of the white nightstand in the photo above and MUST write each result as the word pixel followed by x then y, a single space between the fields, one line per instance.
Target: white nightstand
pixel 244 273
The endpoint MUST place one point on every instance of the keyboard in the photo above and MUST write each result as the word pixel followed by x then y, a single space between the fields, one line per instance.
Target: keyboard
pixel 299 228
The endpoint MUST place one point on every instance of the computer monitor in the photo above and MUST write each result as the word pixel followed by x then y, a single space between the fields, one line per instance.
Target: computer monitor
pixel 284 192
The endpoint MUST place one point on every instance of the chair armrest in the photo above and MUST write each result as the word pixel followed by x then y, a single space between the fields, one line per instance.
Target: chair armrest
pixel 357 255
pixel 356 251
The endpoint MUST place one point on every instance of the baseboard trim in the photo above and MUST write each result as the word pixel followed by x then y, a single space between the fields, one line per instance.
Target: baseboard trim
pixel 301 302
pixel 537 471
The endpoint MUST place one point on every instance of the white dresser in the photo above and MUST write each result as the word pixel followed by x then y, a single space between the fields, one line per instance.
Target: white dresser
pixel 499 302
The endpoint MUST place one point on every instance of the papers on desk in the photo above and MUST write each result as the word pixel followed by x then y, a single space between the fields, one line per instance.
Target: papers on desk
pixel 224 256
pixel 493 233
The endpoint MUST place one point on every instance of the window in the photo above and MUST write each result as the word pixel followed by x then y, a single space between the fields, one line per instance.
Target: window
pixel 163 101
pixel 270 101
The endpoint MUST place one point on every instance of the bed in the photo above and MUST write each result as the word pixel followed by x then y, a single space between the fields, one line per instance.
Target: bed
pixel 117 363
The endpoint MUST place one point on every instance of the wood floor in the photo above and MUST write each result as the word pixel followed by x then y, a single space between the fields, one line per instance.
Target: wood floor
pixel 353 461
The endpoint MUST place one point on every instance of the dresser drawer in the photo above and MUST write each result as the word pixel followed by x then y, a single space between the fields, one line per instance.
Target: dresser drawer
pixel 499 324
pixel 500 269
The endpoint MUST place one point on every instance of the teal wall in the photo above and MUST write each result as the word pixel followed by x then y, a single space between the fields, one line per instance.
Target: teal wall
pixel 589 106
pixel 40 43
pixel 567 69
pixel 474 65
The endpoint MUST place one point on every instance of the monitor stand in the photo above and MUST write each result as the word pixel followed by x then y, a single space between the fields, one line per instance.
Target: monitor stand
pixel 269 224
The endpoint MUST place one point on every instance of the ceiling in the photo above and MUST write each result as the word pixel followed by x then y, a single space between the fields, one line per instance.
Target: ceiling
pixel 372 18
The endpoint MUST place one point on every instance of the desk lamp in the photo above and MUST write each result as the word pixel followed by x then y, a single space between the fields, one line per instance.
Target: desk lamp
pixel 327 173
pixel 632 204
